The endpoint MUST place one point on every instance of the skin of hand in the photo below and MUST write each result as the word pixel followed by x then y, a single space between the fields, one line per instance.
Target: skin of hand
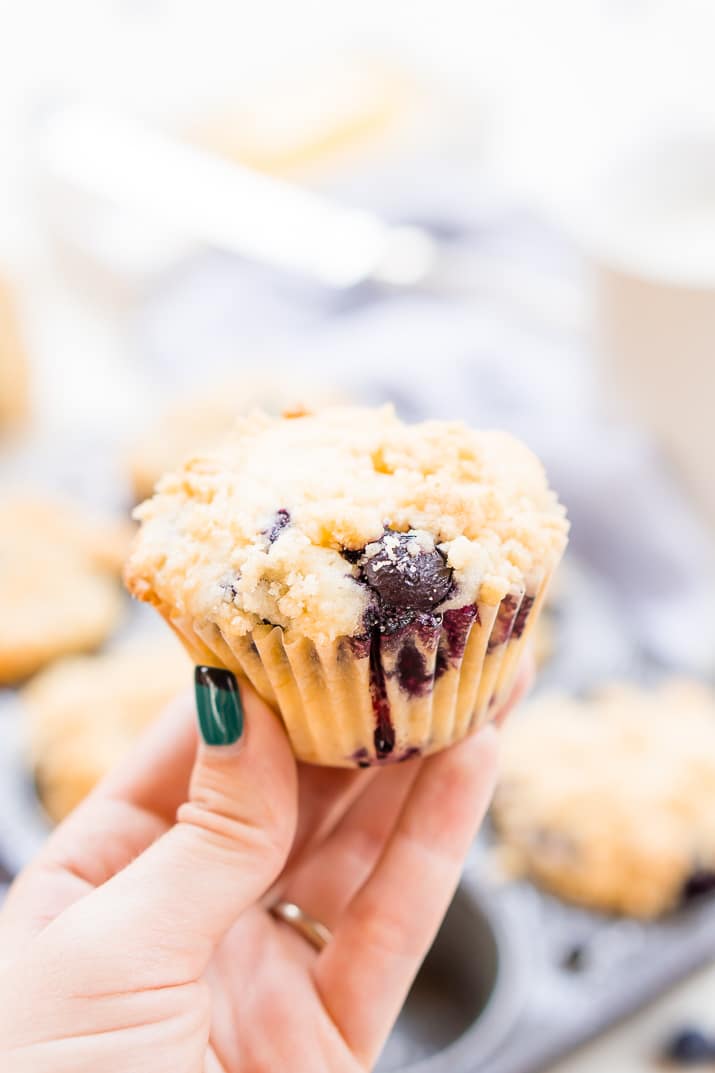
pixel 139 940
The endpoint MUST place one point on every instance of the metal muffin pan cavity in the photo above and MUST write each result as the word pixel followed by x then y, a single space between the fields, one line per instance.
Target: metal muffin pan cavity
pixel 466 997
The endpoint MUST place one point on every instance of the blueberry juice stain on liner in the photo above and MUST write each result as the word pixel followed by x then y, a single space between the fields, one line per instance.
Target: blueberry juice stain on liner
pixel 416 654
pixel 384 736
pixel 527 602
pixel 458 624
pixel 505 621
pixel 411 670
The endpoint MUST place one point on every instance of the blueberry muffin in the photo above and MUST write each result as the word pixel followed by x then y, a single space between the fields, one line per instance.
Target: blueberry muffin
pixel 14 372
pixel 102 540
pixel 201 421
pixel 610 802
pixel 60 592
pixel 84 712
pixel 374 581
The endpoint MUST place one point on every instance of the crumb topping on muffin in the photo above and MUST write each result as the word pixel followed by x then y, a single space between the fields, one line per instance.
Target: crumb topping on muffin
pixel 314 522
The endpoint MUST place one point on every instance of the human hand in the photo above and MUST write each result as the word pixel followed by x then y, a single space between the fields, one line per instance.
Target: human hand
pixel 140 940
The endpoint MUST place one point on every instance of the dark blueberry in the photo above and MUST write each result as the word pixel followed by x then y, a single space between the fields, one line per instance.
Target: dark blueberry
pixel 405 575
pixel 522 615
pixel 391 620
pixel 281 520
pixel 352 555
pixel 689 1046
pixel 228 584
pixel 575 959
pixel 702 881
pixel 503 623
pixel 361 757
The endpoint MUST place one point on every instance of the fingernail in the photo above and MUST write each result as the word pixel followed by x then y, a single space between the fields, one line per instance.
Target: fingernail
pixel 218 703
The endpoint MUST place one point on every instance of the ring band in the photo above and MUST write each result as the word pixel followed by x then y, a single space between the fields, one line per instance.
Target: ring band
pixel 312 930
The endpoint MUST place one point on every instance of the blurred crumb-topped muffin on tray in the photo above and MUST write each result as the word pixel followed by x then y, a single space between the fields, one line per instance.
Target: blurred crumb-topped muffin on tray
pixel 374 581
pixel 14 368
pixel 84 712
pixel 202 420
pixel 103 540
pixel 59 567
pixel 610 802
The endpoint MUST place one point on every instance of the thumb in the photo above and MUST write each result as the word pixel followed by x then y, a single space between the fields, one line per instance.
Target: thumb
pixel 229 843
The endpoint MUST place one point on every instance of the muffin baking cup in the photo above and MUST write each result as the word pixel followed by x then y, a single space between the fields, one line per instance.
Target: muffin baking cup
pixel 375 582
pixel 382 696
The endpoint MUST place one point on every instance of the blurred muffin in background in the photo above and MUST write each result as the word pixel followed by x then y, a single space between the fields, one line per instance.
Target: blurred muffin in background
pixel 58 579
pixel 314 118
pixel 610 802
pixel 103 540
pixel 85 712
pixel 201 421
pixel 14 369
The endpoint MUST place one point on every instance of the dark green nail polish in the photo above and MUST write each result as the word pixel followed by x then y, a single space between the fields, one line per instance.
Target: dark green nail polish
pixel 219 705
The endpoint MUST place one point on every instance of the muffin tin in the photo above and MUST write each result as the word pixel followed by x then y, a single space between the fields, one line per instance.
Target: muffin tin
pixel 467 996
pixel 516 978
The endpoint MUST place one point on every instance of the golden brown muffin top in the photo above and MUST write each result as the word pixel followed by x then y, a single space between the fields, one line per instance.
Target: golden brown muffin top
pixel 304 522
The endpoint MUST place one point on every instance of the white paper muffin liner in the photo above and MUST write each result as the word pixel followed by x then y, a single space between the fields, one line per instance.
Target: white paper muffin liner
pixel 383 697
